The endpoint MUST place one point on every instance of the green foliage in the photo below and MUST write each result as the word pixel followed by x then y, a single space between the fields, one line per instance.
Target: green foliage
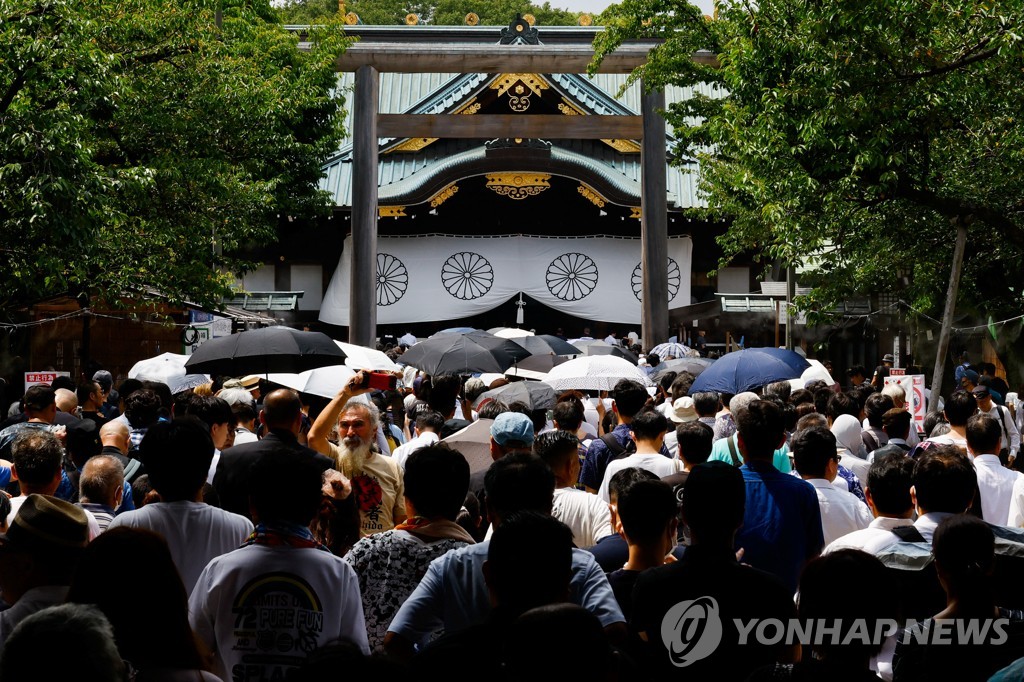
pixel 142 145
pixel 852 134
pixel 437 12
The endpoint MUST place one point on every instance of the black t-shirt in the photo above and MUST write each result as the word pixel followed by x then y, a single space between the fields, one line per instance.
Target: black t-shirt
pixel 622 582
pixel 738 592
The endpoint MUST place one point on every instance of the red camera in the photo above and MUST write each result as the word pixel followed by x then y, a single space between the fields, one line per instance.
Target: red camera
pixel 380 381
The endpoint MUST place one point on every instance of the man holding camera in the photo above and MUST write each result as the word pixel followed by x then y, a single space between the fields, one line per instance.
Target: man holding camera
pixel 376 479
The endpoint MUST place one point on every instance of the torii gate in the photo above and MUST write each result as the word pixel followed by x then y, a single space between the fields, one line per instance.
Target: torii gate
pixel 368 59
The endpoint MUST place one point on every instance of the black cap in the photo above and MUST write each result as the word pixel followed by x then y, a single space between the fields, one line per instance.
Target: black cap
pixel 39 398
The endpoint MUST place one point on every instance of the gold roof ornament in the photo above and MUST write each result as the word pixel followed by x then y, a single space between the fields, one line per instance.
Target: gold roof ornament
pixel 391 211
pixel 518 185
pixel 530 19
pixel 586 19
pixel 351 19
pixel 472 19
pixel 411 19
pixel 444 195
pixel 519 87
pixel 591 195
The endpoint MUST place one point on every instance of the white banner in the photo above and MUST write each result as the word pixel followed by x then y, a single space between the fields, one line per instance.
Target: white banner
pixel 421 279
pixel 913 387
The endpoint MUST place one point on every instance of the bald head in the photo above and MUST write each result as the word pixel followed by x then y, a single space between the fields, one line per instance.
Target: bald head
pixel 102 481
pixel 115 434
pixel 66 399
pixel 282 410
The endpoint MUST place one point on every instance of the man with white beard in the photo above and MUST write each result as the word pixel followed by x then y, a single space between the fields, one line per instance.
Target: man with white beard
pixel 376 479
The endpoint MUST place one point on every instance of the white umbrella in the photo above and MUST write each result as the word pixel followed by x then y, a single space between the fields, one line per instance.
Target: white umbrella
pixel 322 381
pixel 474 443
pixel 167 368
pixel 360 357
pixel 594 373
pixel 676 350
pixel 512 333
pixel 817 372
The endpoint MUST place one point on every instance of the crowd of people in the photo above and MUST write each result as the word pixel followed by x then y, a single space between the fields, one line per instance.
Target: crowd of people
pixel 244 531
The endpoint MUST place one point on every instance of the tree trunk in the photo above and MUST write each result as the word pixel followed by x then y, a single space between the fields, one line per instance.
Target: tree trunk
pixel 947 314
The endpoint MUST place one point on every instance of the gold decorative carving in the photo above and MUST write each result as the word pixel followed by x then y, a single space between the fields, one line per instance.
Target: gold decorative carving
pixel 530 19
pixel 519 87
pixel 444 195
pixel 472 19
pixel 391 211
pixel 624 146
pixel 470 107
pixel 570 109
pixel 415 144
pixel 591 195
pixel 586 20
pixel 634 212
pixel 518 185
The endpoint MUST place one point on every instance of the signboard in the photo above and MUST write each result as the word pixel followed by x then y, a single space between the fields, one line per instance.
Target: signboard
pixel 202 333
pixel 913 387
pixel 42 378
pixel 897 372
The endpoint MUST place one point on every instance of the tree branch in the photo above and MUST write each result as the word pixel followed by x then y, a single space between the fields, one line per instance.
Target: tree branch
pixel 954 208
pixel 16 85
pixel 953 66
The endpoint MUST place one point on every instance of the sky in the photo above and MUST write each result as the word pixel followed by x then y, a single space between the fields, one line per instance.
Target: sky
pixel 597 6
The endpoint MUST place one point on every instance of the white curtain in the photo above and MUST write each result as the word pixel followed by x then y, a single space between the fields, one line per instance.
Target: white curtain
pixel 434 277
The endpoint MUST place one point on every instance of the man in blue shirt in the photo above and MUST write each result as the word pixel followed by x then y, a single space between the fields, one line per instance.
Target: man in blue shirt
pixel 782 523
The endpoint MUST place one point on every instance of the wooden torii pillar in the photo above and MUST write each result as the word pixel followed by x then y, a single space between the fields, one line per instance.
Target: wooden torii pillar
pixel 368 59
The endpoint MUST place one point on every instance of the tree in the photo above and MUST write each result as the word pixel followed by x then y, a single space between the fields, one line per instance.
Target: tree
pixel 436 12
pixel 859 135
pixel 143 145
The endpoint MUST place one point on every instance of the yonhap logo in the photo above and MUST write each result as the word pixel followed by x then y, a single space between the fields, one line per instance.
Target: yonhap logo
pixel 691 630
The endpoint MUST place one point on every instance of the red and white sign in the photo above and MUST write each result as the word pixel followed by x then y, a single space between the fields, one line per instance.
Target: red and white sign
pixel 913 387
pixel 42 378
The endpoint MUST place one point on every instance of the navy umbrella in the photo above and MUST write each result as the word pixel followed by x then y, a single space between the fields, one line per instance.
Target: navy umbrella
pixel 266 350
pixel 745 370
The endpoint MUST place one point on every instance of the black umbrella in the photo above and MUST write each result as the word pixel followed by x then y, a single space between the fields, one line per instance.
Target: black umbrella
pixel 692 365
pixel 546 344
pixel 463 354
pixel 536 366
pixel 536 395
pixel 261 351
pixel 604 349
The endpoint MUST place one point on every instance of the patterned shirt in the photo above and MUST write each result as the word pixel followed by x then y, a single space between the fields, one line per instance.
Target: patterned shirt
pixel 389 566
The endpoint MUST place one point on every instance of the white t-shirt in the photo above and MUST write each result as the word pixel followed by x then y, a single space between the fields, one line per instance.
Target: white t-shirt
pixel 841 512
pixel 658 464
pixel 585 514
pixel 261 610
pixel 402 452
pixel 195 532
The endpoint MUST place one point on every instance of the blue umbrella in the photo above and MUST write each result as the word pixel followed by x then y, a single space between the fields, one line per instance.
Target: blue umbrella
pixel 745 370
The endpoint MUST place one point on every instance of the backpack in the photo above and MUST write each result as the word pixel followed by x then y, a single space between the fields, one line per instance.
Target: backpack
pixel 617 450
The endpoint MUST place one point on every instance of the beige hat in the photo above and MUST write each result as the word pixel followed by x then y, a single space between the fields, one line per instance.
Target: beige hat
pixel 45 523
pixel 683 410
pixel 250 382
